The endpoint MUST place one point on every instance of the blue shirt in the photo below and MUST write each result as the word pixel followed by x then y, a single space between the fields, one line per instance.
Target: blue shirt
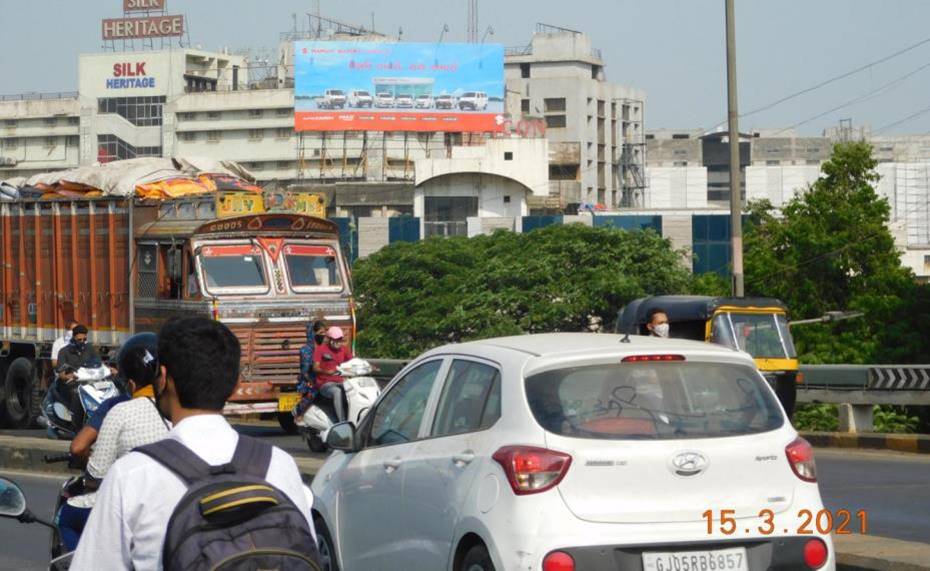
pixel 96 418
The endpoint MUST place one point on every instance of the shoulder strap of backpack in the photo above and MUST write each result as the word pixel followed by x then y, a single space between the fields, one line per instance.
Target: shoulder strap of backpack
pixel 178 458
pixel 252 457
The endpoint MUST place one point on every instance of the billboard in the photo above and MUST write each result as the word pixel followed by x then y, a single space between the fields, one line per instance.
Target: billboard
pixel 148 27
pixel 376 86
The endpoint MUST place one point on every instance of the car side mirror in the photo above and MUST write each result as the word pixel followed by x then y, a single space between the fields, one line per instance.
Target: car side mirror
pixel 12 499
pixel 341 437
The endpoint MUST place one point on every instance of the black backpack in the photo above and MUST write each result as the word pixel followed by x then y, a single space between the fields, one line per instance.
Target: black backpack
pixel 231 518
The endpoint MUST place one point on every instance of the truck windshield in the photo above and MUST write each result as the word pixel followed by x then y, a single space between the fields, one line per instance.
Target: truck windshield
pixel 233 267
pixel 312 267
pixel 762 335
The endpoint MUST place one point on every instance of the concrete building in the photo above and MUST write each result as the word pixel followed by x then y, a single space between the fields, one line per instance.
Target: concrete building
pixel 595 128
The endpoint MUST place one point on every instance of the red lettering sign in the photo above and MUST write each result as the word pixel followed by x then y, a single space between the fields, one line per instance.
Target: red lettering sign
pixel 129 69
pixel 141 5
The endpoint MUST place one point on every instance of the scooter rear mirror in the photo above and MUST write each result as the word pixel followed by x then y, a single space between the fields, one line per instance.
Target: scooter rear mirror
pixel 12 499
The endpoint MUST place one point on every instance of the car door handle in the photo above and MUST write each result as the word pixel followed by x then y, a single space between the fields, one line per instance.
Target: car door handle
pixel 463 458
pixel 391 465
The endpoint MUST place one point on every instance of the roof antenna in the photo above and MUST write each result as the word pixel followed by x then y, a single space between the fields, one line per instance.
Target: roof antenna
pixel 626 337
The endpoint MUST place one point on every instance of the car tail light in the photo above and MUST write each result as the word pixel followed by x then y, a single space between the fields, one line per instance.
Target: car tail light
pixel 815 553
pixel 558 561
pixel 644 358
pixel 531 470
pixel 801 457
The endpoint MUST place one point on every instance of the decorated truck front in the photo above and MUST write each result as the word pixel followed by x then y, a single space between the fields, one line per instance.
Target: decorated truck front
pixel 267 276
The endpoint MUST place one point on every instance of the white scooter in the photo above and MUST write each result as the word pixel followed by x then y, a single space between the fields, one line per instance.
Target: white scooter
pixel 94 384
pixel 361 392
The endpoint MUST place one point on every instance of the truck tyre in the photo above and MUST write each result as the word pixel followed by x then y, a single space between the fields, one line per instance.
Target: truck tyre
pixel 19 387
pixel 286 420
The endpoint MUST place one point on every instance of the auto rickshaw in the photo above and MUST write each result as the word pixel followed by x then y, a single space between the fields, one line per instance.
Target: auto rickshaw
pixel 756 325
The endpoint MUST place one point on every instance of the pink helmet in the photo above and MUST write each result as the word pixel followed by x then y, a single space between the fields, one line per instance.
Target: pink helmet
pixel 335 332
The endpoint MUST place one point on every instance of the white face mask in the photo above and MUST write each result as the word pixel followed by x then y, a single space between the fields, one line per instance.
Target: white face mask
pixel 68 335
pixel 661 329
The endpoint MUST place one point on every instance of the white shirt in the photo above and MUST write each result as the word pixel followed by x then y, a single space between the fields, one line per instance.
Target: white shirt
pixel 59 344
pixel 127 527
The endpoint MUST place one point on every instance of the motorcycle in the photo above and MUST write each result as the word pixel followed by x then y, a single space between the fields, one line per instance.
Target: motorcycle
pixel 13 505
pixel 92 384
pixel 361 392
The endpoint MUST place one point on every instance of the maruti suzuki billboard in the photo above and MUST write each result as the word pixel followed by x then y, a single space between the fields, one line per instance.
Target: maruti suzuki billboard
pixel 375 86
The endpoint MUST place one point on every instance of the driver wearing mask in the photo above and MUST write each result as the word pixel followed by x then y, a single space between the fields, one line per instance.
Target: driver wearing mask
pixel 78 351
pixel 657 323
pixel 326 360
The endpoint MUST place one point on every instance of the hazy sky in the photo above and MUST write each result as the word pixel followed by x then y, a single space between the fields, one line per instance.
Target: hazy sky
pixel 674 49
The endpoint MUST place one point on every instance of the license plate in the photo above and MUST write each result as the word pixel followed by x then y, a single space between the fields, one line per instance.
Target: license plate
pixel 733 559
pixel 287 401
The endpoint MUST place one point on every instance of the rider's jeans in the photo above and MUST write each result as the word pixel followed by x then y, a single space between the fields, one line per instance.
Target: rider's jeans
pixel 334 392
pixel 71 522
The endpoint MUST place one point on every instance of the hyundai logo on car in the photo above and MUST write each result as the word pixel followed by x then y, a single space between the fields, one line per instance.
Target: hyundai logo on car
pixel 689 463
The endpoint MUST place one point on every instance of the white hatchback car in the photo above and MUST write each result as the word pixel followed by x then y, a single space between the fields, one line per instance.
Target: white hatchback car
pixel 572 451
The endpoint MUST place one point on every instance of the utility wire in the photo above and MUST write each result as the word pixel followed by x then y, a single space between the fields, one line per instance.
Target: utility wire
pixel 900 121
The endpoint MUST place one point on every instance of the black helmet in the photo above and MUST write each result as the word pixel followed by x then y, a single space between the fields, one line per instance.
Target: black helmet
pixel 138 359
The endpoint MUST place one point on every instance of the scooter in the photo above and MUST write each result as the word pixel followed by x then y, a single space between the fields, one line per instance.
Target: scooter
pixel 93 384
pixel 13 505
pixel 361 392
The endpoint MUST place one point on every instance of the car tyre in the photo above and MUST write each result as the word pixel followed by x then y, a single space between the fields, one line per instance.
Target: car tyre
pixel 325 546
pixel 18 388
pixel 287 422
pixel 477 558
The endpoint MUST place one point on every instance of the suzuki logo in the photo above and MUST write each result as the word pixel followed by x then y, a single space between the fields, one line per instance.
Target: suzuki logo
pixel 688 463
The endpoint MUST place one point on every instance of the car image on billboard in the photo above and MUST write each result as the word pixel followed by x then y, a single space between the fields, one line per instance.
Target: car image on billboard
pixel 405 86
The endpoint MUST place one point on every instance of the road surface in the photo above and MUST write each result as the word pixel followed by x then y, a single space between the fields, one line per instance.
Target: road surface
pixel 893 488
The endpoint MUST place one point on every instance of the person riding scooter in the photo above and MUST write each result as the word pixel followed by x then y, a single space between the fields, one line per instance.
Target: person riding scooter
pixel 326 360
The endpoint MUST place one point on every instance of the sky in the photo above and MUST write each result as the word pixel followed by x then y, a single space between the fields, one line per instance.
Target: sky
pixel 673 49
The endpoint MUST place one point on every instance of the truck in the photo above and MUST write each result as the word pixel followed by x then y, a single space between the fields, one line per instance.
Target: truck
pixel 126 265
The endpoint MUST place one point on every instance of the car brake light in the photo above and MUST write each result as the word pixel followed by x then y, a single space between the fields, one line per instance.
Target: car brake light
pixel 558 561
pixel 801 457
pixel 531 470
pixel 815 553
pixel 643 358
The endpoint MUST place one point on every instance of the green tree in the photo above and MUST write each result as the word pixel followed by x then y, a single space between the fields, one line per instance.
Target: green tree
pixel 830 249
pixel 413 296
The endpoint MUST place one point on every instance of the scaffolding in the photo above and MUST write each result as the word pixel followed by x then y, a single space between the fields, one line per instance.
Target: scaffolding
pixel 632 173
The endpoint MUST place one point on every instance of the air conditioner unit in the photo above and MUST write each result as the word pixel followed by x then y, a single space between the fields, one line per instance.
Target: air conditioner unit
pixel 7 161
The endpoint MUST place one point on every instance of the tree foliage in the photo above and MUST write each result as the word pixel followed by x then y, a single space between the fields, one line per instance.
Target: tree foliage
pixel 414 296
pixel 830 249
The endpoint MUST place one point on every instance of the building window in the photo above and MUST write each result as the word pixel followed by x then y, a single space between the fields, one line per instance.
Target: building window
pixel 51 121
pixel 140 111
pixel 772 163
pixel 681 136
pixel 563 172
pixel 10 122
pixel 554 104
pixel 71 140
pixel 258 166
pixel 448 215
pixel 283 112
pixel 508 155
pixel 187 116
pixel 525 70
pixel 813 149
pixel 555 121
pixel 213 136
pixel 886 149
pixel 284 164
pixel 214 115
pixel 50 142
pixel 680 152
pixel 255 113
pixel 596 71
pixel 507 200
pixel 188 136
pixel 650 137
pixel 112 148
pixel 680 163
pixel 524 105
pixel 256 134
pixel 10 144
pixel 74 120
pixel 283 133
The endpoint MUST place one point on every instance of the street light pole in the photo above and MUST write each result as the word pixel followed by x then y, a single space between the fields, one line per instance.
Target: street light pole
pixel 736 199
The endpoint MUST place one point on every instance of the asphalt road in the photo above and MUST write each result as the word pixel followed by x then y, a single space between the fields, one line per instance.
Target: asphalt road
pixel 893 488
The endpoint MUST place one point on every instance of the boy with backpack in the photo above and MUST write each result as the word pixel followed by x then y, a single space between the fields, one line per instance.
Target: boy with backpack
pixel 204 497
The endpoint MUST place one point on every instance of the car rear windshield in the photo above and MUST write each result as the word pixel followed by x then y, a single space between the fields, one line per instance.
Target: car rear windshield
pixel 653 400
pixel 469 94
pixel 335 92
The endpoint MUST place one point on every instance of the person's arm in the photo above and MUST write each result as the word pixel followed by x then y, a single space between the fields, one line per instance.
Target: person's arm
pixel 106 540
pixel 283 473
pixel 107 444
pixel 306 365
pixel 83 440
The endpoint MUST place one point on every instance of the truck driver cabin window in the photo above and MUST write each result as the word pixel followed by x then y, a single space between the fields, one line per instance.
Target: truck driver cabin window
pixel 233 269
pixel 173 280
pixel 147 270
pixel 312 267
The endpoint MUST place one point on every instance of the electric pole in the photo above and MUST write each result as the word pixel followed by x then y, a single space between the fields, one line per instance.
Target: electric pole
pixel 736 198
